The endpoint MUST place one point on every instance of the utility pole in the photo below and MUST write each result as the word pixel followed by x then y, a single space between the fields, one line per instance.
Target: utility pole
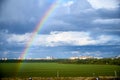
pixel 93 74
pixel 115 74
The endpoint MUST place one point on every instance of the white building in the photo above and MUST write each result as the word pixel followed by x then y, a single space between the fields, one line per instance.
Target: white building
pixel 82 57
pixel 4 58
pixel 86 57
pixel 74 58
pixel 49 58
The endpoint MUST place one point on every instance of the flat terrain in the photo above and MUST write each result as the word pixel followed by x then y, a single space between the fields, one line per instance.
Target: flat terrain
pixel 56 69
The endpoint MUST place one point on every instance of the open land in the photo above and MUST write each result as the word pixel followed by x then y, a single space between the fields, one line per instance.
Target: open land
pixel 25 70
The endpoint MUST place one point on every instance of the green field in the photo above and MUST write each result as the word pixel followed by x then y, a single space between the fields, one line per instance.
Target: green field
pixel 56 69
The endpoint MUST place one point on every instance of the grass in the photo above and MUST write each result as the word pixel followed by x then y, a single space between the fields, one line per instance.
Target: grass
pixel 55 69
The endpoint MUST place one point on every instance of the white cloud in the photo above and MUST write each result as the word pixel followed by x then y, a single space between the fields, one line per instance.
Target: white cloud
pixel 17 38
pixel 107 21
pixel 41 3
pixel 107 40
pixel 64 38
pixel 106 4
pixel 68 4
pixel 58 22
pixel 65 6
pixel 65 3
pixel 69 38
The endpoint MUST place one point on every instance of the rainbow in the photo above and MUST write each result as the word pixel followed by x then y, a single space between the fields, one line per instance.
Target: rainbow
pixel 38 27
pixel 41 23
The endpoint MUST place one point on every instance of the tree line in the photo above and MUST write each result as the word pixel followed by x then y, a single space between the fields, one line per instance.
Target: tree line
pixel 110 61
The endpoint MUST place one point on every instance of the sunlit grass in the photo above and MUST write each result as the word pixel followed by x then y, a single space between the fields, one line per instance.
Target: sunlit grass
pixel 55 69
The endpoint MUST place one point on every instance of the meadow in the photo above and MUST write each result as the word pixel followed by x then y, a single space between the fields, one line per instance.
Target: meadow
pixel 57 70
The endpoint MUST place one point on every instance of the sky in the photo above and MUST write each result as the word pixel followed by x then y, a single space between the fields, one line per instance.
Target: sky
pixel 73 28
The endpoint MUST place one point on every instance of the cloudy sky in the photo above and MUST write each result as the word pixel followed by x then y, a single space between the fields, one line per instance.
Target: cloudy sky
pixel 74 28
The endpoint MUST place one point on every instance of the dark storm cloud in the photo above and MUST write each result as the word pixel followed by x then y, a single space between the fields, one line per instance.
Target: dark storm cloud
pixel 2 3
pixel 22 16
pixel 109 13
